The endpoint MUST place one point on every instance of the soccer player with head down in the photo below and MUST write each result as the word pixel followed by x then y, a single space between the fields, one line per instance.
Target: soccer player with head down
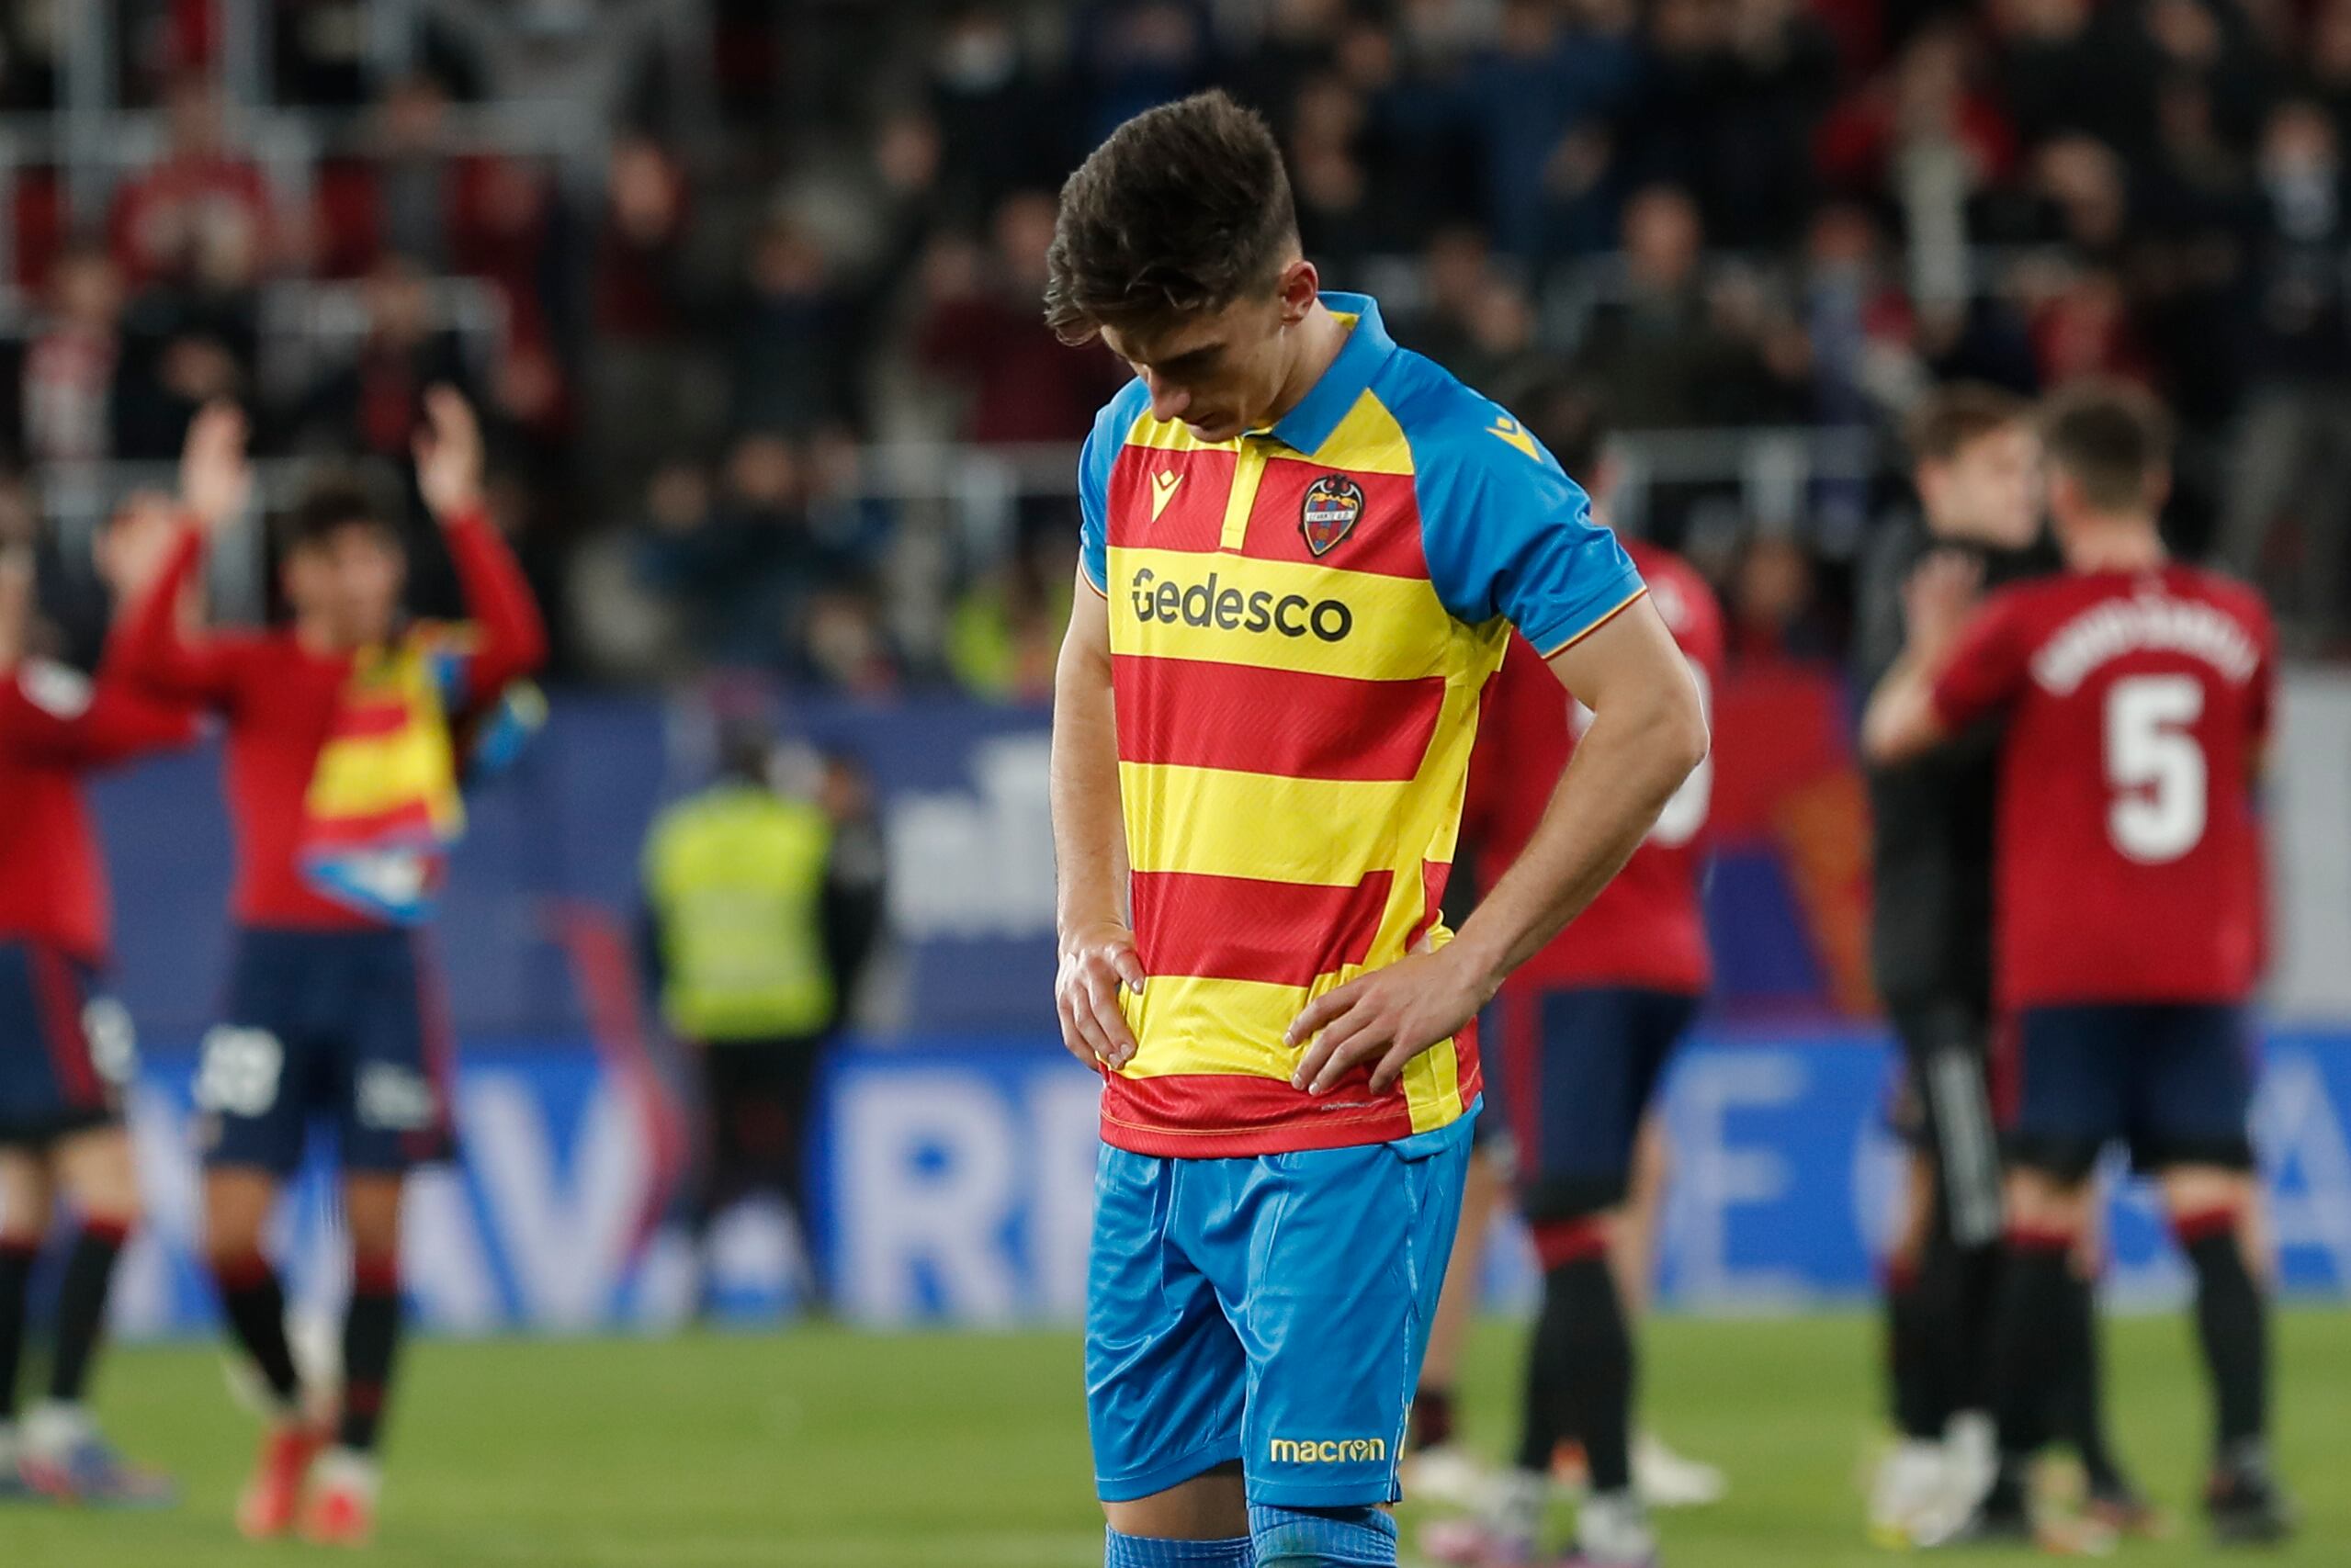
pixel 1304 551
pixel 342 773
pixel 65 1048
pixel 2138 693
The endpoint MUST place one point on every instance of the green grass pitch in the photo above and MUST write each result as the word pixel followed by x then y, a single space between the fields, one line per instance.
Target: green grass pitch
pixel 823 1448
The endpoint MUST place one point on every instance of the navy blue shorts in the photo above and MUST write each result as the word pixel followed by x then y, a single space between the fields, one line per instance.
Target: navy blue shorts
pixel 1493 1136
pixel 2173 1081
pixel 1270 1309
pixel 343 1028
pixel 1578 1094
pixel 65 1050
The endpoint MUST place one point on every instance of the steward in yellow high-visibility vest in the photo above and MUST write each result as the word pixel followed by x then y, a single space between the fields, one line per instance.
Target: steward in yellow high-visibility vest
pixel 760 908
pixel 735 877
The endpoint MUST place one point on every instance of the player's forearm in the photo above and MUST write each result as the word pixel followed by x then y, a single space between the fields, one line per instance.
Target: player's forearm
pixel 1625 768
pixel 16 601
pixel 1900 721
pixel 149 649
pixel 1089 836
pixel 497 599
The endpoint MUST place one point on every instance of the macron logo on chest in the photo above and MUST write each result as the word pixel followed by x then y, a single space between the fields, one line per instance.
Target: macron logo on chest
pixel 1163 489
pixel 1260 500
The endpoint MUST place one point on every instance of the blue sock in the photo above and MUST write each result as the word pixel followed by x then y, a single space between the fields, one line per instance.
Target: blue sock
pixel 1322 1537
pixel 1143 1551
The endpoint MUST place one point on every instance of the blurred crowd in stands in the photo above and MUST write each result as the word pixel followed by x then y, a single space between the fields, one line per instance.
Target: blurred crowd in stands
pixel 730 276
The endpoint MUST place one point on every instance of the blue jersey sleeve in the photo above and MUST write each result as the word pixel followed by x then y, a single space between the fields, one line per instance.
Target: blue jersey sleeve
pixel 1094 462
pixel 1506 532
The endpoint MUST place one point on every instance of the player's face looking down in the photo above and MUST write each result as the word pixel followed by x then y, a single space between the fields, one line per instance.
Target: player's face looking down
pixel 1227 370
pixel 344 587
pixel 1989 490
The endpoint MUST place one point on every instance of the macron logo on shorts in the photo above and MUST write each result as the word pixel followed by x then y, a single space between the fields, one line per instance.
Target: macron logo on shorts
pixel 1330 1450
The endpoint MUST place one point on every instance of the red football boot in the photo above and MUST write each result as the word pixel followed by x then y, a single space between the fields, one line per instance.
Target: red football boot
pixel 274 1496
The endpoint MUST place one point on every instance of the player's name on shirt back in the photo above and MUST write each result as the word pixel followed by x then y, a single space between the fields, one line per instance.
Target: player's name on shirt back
pixel 2151 620
pixel 2136 705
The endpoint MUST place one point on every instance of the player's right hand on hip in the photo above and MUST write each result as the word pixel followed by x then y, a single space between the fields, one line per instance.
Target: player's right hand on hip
pixel 1097 962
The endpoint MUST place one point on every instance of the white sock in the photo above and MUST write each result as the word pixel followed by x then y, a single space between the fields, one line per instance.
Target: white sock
pixel 1612 1526
pixel 1520 1497
pixel 348 1469
pixel 55 1427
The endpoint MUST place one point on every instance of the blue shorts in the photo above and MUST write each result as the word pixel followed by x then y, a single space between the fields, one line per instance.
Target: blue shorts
pixel 340 1027
pixel 65 1051
pixel 1270 1309
pixel 2172 1080
pixel 1598 1053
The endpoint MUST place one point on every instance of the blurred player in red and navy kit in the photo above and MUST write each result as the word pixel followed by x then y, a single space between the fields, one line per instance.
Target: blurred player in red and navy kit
pixel 2128 930
pixel 1976 471
pixel 1587 1026
pixel 65 1049
pixel 343 774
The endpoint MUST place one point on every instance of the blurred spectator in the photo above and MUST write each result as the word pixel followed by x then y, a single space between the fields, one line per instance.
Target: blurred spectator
pixel 1665 350
pixel 1005 633
pixel 2326 59
pixel 30 70
pixel 201 198
pixel 378 397
pixel 1000 126
pixel 1734 90
pixel 846 649
pixel 1299 38
pixel 69 381
pixel 1502 355
pixel 511 231
pixel 2083 327
pixel 647 394
pixel 416 175
pixel 1858 324
pixel 2292 456
pixel 788 337
pixel 1455 265
pixel 983 327
pixel 1341 220
pixel 1539 85
pixel 641 290
pixel 196 337
pixel 319 50
pixel 1774 604
pixel 747 577
pixel 1927 102
pixel 2057 70
pixel 1132 54
pixel 679 555
pixel 852 526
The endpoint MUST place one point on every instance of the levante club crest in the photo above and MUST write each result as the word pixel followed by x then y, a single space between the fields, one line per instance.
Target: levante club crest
pixel 1328 513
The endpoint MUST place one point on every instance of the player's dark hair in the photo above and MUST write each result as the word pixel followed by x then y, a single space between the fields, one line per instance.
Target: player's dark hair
pixel 1185 208
pixel 329 506
pixel 1954 417
pixel 2112 439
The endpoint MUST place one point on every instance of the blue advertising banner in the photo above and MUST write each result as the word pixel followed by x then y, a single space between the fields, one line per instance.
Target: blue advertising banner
pixel 955 1185
pixel 960 1180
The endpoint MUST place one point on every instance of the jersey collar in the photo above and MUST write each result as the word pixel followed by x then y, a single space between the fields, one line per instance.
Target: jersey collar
pixel 1305 427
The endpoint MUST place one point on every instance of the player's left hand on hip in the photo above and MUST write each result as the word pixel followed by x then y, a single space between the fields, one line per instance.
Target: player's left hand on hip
pixel 1384 1019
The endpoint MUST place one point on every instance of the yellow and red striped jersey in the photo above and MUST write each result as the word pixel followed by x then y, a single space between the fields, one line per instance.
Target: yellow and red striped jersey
pixel 1301 622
